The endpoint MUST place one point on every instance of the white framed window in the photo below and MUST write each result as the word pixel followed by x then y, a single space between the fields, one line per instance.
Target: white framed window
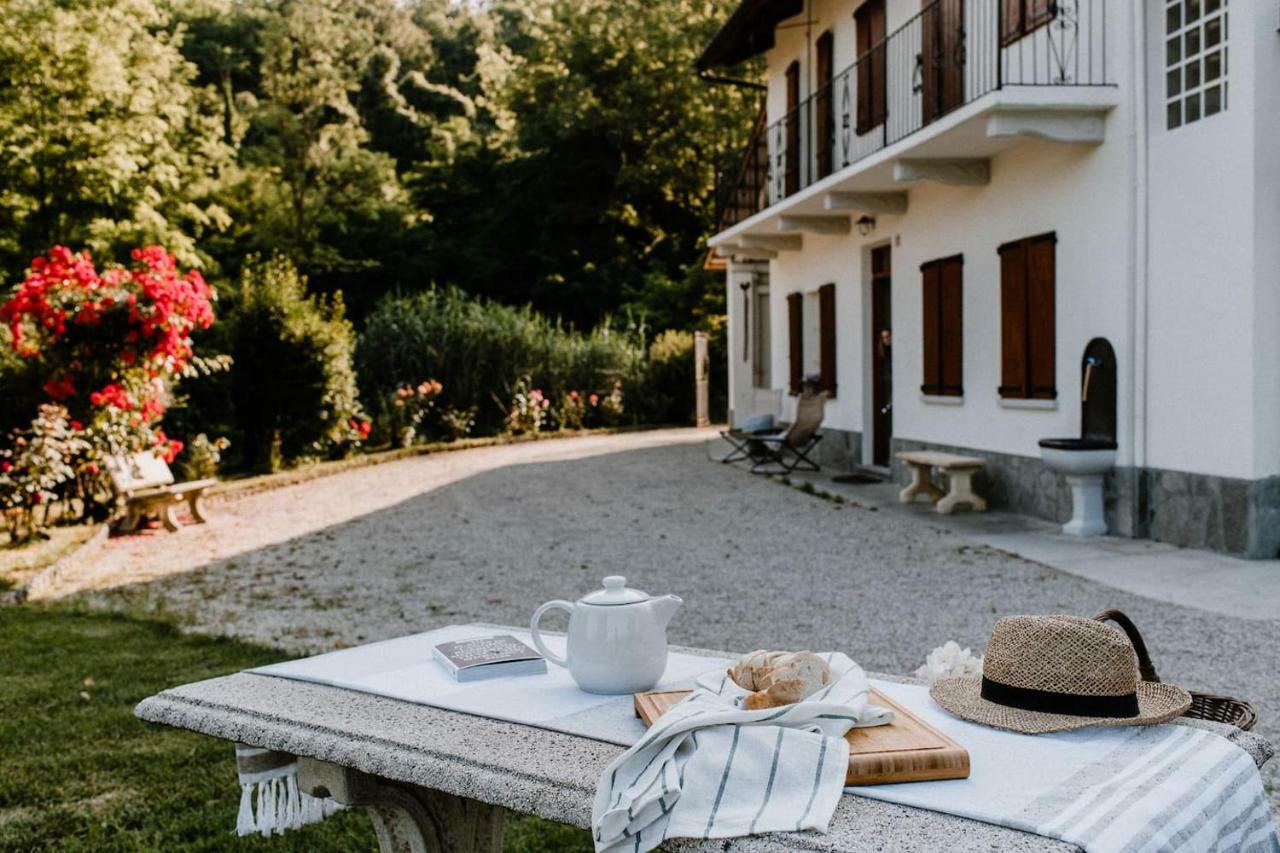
pixel 1195 60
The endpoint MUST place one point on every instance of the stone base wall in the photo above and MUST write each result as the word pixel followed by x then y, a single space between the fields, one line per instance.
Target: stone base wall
pixel 1192 510
pixel 840 450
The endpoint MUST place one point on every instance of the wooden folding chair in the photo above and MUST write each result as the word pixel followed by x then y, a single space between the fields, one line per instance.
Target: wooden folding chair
pixel 789 451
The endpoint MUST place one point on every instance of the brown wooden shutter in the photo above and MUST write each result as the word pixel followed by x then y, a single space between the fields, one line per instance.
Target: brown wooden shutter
pixel 929 59
pixel 869 24
pixel 931 276
pixel 1041 316
pixel 791 179
pixel 951 311
pixel 1013 319
pixel 827 337
pixel 1011 22
pixel 1039 12
pixel 795 339
pixel 824 124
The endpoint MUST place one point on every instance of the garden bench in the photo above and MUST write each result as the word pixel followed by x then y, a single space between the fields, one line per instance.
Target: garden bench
pixel 146 485
pixel 441 780
pixel 959 471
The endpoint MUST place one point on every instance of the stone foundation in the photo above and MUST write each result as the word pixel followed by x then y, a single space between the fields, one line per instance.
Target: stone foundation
pixel 1191 510
pixel 840 450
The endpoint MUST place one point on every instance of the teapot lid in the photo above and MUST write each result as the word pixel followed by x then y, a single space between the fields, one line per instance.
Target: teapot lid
pixel 615 591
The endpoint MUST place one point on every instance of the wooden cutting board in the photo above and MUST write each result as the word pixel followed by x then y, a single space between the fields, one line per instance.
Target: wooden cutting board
pixel 906 750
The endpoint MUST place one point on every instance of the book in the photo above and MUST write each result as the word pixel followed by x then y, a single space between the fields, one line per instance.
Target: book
pixel 488 657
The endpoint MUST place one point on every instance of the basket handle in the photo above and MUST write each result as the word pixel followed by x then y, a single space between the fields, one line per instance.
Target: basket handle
pixel 1145 667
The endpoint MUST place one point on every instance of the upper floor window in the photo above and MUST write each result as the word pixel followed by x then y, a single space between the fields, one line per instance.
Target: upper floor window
pixel 869 27
pixel 1020 17
pixel 1195 60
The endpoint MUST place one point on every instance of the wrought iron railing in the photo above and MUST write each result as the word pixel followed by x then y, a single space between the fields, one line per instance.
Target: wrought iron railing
pixel 747 190
pixel 949 55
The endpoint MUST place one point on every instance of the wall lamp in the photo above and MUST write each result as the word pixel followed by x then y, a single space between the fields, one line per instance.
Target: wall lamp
pixel 866 224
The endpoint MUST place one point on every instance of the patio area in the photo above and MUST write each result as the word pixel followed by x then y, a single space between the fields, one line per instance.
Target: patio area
pixel 487 534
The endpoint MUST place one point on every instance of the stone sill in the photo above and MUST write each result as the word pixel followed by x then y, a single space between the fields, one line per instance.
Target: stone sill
pixel 942 400
pixel 1040 405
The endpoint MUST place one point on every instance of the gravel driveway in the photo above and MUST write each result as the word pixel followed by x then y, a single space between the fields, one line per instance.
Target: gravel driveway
pixel 488 534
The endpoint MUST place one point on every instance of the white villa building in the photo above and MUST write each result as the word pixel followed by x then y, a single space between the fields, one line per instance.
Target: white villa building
pixel 944 204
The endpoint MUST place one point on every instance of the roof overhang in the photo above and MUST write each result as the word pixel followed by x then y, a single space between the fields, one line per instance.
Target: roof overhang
pixel 747 33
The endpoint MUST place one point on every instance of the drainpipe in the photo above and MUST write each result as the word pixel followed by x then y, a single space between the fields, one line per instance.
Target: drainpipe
pixel 1139 346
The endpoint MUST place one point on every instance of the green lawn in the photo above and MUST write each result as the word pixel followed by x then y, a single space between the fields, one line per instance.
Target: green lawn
pixel 83 774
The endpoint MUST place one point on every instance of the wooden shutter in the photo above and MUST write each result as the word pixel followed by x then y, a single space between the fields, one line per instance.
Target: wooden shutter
pixel 930 50
pixel 1013 319
pixel 827 337
pixel 1011 22
pixel 791 179
pixel 942 323
pixel 1039 12
pixel 824 125
pixel 931 276
pixel 795 339
pixel 869 23
pixel 1041 317
pixel 951 313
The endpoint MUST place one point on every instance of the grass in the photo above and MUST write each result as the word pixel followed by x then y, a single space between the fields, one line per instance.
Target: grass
pixel 82 773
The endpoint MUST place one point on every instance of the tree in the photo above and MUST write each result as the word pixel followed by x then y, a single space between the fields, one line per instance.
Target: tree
pixel 103 140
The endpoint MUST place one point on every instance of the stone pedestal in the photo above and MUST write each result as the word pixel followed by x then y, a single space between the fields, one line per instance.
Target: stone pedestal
pixel 1088 512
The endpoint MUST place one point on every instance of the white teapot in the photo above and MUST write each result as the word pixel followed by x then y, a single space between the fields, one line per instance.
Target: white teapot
pixel 617 640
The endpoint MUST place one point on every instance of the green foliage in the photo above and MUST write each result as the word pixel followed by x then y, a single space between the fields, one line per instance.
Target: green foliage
pixel 84 774
pixel 668 381
pixel 103 140
pixel 293 389
pixel 479 350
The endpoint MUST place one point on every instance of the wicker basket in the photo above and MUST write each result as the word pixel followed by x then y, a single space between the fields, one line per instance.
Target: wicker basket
pixel 1204 706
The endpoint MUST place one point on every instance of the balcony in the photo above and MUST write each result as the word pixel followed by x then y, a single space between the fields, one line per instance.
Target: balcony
pixel 935 99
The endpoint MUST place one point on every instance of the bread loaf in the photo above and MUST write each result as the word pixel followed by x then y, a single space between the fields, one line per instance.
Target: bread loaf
pixel 779 678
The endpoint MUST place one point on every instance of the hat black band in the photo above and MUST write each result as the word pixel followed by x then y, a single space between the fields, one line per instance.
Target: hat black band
pixel 1052 702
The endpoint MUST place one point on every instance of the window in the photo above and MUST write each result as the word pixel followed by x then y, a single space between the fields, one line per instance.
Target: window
pixel 1195 60
pixel 942 321
pixel 811 332
pixel 1021 17
pixel 761 373
pixel 872 90
pixel 824 124
pixel 1027 333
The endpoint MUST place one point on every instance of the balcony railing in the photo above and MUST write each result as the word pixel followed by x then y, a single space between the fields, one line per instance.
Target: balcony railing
pixel 949 55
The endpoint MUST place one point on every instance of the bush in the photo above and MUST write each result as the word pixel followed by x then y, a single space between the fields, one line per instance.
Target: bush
pixel 667 391
pixel 293 387
pixel 479 350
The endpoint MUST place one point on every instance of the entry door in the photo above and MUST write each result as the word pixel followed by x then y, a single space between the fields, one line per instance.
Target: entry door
pixel 942 57
pixel 881 358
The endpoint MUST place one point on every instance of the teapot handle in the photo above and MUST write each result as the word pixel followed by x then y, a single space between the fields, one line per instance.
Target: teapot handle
pixel 537 638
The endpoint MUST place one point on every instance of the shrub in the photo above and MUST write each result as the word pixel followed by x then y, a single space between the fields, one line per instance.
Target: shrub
pixel 36 466
pixel 457 423
pixel 479 350
pixel 666 395
pixel 203 457
pixel 409 409
pixel 293 389
pixel 528 412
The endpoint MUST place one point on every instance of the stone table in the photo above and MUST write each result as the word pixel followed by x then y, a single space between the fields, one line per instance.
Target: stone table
pixel 436 780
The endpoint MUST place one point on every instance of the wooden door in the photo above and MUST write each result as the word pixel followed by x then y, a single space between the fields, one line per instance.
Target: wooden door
pixel 942 57
pixel 881 358
pixel 791 180
pixel 823 120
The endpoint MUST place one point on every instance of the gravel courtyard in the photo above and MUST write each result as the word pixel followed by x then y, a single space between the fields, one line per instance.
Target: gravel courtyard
pixel 488 534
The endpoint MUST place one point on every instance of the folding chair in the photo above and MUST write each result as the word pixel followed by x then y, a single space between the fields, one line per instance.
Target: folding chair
pixel 740 437
pixel 789 451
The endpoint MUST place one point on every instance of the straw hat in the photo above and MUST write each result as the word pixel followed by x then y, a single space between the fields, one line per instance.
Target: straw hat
pixel 1056 673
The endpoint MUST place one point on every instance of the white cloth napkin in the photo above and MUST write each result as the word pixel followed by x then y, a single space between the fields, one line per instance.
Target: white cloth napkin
pixel 709 769
pixel 1128 789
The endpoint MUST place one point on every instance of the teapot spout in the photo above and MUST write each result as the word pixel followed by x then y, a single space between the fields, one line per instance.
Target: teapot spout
pixel 665 607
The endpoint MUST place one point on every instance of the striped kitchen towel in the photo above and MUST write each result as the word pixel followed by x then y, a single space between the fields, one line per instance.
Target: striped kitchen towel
pixel 709 769
pixel 1139 789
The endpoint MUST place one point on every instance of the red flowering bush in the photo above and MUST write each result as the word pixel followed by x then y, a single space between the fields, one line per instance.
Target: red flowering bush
pixel 110 344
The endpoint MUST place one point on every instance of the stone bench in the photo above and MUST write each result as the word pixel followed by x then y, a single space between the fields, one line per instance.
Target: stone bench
pixel 146 486
pixel 959 471
pixel 443 781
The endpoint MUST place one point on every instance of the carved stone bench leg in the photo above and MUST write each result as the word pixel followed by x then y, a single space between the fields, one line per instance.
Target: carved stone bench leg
pixel 961 492
pixel 195 501
pixel 921 482
pixel 406 818
pixel 166 515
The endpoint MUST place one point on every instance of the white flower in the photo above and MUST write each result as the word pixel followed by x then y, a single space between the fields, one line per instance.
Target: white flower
pixel 949 660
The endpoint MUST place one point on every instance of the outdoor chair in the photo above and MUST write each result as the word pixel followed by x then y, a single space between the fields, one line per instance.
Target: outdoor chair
pixel 146 485
pixel 788 451
pixel 739 438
